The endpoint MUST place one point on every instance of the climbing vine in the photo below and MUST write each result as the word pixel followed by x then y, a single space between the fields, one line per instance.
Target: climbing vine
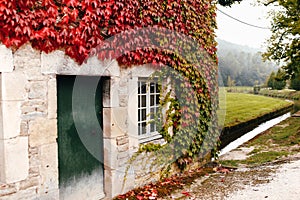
pixel 177 33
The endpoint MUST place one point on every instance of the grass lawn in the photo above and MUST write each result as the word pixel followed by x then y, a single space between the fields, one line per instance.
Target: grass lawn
pixel 242 107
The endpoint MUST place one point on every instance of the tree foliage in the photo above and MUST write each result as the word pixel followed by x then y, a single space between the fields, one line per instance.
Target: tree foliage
pixel 243 65
pixel 228 2
pixel 277 81
pixel 295 82
pixel 284 43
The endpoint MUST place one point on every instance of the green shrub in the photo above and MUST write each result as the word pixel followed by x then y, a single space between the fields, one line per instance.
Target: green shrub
pixel 295 82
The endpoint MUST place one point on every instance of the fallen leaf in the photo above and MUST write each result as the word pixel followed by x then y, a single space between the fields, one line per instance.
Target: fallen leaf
pixel 186 193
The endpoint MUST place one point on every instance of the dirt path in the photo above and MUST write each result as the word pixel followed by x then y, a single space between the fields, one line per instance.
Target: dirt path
pixel 285 184
pixel 276 181
pixel 276 175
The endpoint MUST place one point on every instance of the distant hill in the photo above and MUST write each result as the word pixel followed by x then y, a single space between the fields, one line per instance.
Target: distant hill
pixel 242 65
pixel 223 44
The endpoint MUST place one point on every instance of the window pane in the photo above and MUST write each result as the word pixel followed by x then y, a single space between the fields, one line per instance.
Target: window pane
pixel 157 88
pixel 143 115
pixel 143 97
pixel 152 113
pixel 143 88
pixel 139 129
pixel 157 100
pixel 139 104
pixel 152 127
pixel 144 128
pixel 139 87
pixel 152 103
pixel 152 87
pixel 139 115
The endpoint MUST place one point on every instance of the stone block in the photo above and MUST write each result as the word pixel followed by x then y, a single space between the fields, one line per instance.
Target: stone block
pixel 51 195
pixel 24 128
pixel 34 74
pixel 123 147
pixel 123 100
pixel 110 154
pixel 122 140
pixel 33 107
pixel 37 90
pixel 28 194
pixel 34 171
pixel 111 93
pixel 7 189
pixel 114 122
pixel 42 131
pixel 6 59
pixel 49 168
pixel 15 159
pixel 26 57
pixel 28 183
pixel 142 71
pixel 11 119
pixel 92 66
pixel 13 86
pixel 52 99
pixel 34 160
pixel 111 178
pixel 132 118
pixel 112 68
pixel 122 155
pixel 51 61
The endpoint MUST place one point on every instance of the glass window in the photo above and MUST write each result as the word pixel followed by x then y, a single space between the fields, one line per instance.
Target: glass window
pixel 148 103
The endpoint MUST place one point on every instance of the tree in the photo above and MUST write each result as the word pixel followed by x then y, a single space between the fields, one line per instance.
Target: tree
pixel 295 82
pixel 284 43
pixel 230 82
pixel 228 2
pixel 277 81
pixel 271 80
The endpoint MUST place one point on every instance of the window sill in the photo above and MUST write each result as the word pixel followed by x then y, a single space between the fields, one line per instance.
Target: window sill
pixel 149 137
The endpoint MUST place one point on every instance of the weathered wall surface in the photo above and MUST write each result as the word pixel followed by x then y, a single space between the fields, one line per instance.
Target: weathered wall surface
pixel 28 131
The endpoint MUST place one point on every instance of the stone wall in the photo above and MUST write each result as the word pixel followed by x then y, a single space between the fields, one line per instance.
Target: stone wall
pixel 29 167
pixel 28 124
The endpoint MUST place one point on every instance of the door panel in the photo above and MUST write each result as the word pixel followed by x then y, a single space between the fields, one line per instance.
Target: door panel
pixel 80 138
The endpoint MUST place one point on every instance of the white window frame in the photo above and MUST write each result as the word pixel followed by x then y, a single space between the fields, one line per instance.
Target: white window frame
pixel 147 134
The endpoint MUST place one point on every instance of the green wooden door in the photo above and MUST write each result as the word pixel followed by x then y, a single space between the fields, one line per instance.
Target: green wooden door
pixel 80 138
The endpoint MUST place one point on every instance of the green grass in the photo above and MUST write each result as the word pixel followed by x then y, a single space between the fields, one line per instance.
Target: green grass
pixel 287 133
pixel 242 107
pixel 230 163
pixel 264 157
pixel 275 143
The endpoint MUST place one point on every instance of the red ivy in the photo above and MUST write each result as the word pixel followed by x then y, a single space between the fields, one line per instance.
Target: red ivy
pixel 85 27
pixel 79 26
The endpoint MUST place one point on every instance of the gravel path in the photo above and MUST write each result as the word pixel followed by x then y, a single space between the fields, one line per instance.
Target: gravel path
pixel 285 185
pixel 276 181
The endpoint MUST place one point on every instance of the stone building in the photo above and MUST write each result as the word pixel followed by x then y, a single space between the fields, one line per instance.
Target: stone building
pixel 57 141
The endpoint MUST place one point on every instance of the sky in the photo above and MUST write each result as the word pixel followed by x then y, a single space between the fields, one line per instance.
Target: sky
pixel 239 33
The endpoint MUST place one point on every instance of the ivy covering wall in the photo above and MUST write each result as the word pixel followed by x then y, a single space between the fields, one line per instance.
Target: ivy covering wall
pixel 178 33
